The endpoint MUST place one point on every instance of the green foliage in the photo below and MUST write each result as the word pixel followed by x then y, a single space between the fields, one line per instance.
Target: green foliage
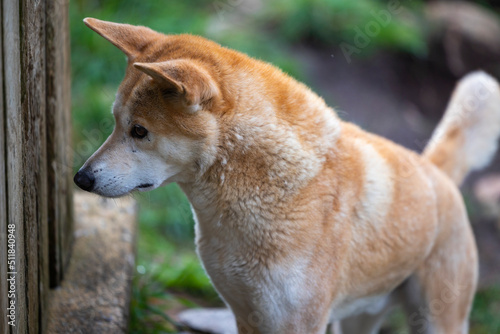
pixel 485 312
pixel 165 246
pixel 390 24
pixel 166 263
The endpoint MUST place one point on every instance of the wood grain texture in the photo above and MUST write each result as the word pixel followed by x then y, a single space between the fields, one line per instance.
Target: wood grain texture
pixel 14 164
pixel 67 159
pixel 53 150
pixel 58 146
pixel 3 199
pixel 35 167
pixel 32 24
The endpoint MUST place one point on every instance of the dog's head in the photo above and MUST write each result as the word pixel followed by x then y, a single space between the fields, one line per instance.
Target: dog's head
pixel 166 129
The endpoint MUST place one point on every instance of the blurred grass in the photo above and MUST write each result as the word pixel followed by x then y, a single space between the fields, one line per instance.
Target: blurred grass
pixel 485 317
pixel 169 275
pixel 330 22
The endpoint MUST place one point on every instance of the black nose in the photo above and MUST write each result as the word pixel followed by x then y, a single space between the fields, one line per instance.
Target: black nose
pixel 84 179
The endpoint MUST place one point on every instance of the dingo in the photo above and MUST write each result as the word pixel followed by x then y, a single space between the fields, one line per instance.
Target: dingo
pixel 301 219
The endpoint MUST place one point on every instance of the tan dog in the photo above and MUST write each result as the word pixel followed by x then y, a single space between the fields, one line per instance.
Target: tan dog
pixel 301 219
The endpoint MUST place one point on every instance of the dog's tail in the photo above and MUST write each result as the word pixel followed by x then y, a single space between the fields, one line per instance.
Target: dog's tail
pixel 466 138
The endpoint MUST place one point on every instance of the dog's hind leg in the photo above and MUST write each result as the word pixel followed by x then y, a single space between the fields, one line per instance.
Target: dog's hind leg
pixel 334 328
pixel 415 307
pixel 365 323
pixel 448 280
pixel 370 322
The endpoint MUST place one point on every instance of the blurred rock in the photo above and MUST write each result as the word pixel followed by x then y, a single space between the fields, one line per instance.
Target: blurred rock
pixel 464 36
pixel 209 320
pixel 95 293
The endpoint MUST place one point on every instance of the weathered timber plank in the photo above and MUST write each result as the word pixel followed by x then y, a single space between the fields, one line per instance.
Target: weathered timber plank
pixel 32 23
pixel 54 97
pixel 14 163
pixel 58 144
pixel 67 175
pixel 3 199
pixel 34 111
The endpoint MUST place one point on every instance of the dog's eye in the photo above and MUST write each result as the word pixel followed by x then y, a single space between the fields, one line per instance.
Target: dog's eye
pixel 139 131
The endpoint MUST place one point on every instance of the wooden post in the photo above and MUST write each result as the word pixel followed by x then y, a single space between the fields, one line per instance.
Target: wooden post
pixel 13 163
pixel 35 165
pixel 59 159
pixel 3 200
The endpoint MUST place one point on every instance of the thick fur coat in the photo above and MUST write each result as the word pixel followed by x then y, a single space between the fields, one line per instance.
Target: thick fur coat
pixel 302 219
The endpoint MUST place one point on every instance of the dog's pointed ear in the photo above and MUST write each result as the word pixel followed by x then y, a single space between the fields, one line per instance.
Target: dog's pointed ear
pixel 184 77
pixel 128 38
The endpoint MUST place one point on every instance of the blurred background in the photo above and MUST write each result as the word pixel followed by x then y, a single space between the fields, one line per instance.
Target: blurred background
pixel 388 66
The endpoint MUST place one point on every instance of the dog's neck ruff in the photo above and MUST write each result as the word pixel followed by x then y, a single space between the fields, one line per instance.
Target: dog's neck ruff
pixel 261 165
